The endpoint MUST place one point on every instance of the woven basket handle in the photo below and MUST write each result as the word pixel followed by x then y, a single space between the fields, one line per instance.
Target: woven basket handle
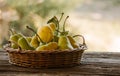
pixel 83 45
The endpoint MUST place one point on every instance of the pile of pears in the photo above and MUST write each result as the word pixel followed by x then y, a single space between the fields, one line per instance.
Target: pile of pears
pixel 46 38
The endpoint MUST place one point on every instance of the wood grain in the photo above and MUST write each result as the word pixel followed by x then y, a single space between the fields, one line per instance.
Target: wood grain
pixel 94 64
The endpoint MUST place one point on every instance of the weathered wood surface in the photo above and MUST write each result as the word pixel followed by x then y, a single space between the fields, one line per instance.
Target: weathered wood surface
pixel 94 64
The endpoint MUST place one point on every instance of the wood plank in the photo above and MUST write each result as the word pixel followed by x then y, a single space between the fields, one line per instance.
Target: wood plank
pixel 3 56
pixel 91 64
pixel 2 51
pixel 38 74
pixel 102 60
pixel 102 55
pixel 74 71
pixel 84 68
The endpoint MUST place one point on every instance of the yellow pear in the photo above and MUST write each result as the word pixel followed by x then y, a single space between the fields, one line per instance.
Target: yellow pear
pixel 73 42
pixel 45 33
pixel 52 26
pixel 64 43
pixel 50 46
pixel 34 42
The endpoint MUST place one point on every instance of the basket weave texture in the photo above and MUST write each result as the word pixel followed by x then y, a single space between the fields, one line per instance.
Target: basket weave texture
pixel 44 59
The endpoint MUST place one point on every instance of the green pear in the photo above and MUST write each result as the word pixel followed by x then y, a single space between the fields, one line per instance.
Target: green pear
pixel 28 39
pixel 64 43
pixel 14 39
pixel 23 43
pixel 73 42
pixel 13 45
pixel 34 42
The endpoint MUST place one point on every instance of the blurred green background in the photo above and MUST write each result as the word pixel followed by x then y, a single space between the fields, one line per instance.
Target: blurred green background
pixel 96 20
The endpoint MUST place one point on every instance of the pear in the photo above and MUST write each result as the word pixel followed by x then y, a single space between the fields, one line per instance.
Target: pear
pixel 34 42
pixel 23 43
pixel 50 46
pixel 14 39
pixel 64 43
pixel 73 42
pixel 41 48
pixel 28 39
pixel 53 26
pixel 13 45
pixel 45 33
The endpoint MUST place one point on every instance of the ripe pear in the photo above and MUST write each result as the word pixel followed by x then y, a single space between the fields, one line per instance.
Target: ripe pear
pixel 64 43
pixel 45 33
pixel 23 43
pixel 41 48
pixel 14 46
pixel 52 26
pixel 52 45
pixel 73 42
pixel 34 42
pixel 14 39
pixel 49 47
pixel 28 39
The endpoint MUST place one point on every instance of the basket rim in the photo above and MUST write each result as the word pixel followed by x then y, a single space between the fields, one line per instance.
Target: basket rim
pixel 11 50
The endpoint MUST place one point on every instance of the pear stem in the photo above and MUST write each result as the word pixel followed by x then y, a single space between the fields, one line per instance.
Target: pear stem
pixel 34 32
pixel 64 23
pixel 58 31
pixel 61 17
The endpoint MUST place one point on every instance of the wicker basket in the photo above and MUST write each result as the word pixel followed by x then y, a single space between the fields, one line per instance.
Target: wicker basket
pixel 45 59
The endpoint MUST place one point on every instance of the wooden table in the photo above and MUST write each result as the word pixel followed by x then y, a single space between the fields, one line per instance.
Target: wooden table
pixel 91 64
